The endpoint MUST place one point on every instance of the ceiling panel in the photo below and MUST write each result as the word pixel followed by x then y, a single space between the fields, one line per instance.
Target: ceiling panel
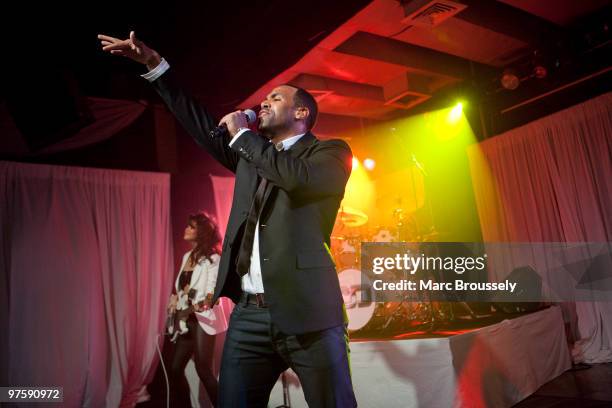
pixel 561 12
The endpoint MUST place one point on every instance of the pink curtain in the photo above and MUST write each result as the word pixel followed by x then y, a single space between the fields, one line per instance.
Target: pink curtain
pixel 223 188
pixel 548 181
pixel 86 264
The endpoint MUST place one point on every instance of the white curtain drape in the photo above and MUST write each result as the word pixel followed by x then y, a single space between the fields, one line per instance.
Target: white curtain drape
pixel 86 265
pixel 223 188
pixel 551 181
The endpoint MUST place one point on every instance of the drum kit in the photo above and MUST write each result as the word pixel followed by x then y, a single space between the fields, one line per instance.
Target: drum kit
pixel 365 316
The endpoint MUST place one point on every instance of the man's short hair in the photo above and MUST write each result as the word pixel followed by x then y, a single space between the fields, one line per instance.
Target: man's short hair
pixel 303 98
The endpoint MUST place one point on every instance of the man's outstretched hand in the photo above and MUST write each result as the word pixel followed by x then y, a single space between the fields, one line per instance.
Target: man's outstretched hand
pixel 131 48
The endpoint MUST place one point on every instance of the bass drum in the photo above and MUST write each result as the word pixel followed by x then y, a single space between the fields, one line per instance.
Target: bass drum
pixel 348 256
pixel 357 298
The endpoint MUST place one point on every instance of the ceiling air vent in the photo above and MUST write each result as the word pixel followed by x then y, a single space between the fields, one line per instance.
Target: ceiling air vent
pixel 427 13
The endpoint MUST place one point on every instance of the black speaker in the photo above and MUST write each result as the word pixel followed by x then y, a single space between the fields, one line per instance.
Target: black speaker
pixel 528 292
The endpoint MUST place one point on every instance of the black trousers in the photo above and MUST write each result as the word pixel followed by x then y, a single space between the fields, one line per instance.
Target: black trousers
pixel 256 353
pixel 197 343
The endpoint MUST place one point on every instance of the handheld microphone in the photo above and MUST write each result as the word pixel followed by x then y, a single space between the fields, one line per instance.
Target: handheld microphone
pixel 221 130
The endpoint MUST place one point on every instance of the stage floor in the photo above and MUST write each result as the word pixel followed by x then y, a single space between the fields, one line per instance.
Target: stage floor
pixel 493 366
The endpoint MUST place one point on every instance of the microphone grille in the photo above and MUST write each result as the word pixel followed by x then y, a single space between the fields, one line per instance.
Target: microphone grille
pixel 251 115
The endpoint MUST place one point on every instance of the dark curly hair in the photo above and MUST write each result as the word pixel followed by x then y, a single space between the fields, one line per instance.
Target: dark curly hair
pixel 208 240
pixel 304 99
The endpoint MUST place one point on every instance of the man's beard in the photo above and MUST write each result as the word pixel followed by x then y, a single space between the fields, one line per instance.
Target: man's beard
pixel 267 131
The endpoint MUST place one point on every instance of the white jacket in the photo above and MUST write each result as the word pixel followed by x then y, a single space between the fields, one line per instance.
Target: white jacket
pixel 203 280
pixel 203 277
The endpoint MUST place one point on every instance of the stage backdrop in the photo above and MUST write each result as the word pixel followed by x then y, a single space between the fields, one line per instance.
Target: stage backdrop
pixel 86 269
pixel 551 181
pixel 223 189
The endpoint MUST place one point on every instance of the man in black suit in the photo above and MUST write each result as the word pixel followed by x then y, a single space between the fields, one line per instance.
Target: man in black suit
pixel 276 265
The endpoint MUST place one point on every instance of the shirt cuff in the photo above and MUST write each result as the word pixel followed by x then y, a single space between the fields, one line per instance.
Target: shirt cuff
pixel 237 135
pixel 156 72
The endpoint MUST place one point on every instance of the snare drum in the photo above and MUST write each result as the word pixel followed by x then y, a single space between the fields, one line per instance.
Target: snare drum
pixel 348 255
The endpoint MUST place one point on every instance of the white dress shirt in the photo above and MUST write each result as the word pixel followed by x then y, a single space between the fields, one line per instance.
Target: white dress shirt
pixel 156 72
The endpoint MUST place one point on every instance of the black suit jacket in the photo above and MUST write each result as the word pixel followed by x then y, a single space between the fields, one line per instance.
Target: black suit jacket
pixel 308 181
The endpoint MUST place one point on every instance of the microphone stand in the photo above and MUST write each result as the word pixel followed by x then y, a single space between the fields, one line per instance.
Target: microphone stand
pixel 286 398
pixel 432 312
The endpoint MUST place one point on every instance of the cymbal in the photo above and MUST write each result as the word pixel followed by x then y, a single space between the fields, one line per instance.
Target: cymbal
pixel 351 217
pixel 434 235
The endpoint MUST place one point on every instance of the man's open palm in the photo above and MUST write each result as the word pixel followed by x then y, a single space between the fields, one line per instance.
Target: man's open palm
pixel 131 48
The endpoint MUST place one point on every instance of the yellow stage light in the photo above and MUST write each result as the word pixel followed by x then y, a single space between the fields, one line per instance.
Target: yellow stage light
pixel 456 113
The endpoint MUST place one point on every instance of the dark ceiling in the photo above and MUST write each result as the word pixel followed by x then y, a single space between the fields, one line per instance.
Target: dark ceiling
pixel 223 49
pixel 396 58
pixel 368 62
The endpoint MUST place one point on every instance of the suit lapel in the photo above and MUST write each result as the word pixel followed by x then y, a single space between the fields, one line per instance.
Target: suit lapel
pixel 195 275
pixel 178 277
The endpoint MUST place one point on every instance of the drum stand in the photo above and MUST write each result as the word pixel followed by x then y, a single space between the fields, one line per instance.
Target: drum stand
pixel 286 398
pixel 397 312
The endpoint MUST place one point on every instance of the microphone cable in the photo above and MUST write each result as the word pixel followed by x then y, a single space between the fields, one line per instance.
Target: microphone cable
pixel 161 360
